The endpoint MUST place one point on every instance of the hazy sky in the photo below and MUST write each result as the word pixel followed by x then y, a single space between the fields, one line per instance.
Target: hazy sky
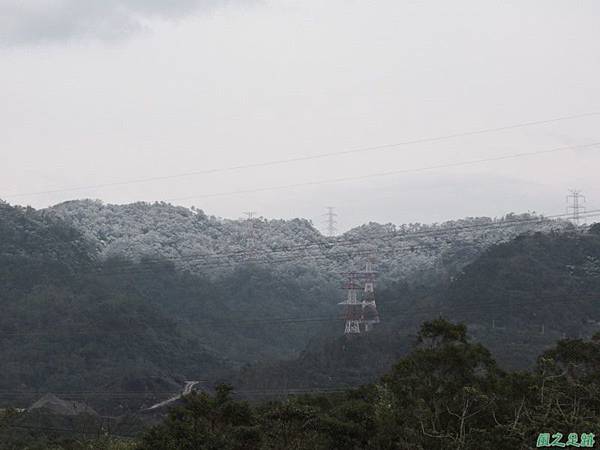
pixel 104 91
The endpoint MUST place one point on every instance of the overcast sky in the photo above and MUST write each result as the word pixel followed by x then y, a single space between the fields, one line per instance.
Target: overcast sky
pixel 106 91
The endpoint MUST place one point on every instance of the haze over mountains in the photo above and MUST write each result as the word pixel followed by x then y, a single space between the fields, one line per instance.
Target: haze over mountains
pixel 101 294
pixel 517 298
pixel 120 306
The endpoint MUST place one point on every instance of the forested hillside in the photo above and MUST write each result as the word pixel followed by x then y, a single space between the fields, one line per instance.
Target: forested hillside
pixel 447 393
pixel 418 253
pixel 143 297
pixel 68 323
pixel 521 296
pixel 518 298
pixel 73 321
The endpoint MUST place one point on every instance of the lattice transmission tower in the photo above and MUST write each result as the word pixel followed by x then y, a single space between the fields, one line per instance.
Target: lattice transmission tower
pixel 250 235
pixel 360 314
pixel 370 315
pixel 353 308
pixel 575 204
pixel 331 222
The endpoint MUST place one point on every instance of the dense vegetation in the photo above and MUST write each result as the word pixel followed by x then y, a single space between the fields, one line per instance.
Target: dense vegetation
pixel 73 321
pixel 518 298
pixel 415 252
pixel 116 297
pixel 448 393
pixel 103 299
pixel 522 296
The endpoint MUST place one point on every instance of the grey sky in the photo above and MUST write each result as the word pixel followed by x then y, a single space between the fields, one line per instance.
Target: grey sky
pixel 45 21
pixel 119 90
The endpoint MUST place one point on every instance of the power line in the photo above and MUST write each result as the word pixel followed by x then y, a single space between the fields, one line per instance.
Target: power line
pixel 435 230
pixel 384 174
pixel 385 313
pixel 98 432
pixel 309 157
pixel 558 299
pixel 204 261
pixel 404 313
pixel 108 394
pixel 439 166
pixel 84 394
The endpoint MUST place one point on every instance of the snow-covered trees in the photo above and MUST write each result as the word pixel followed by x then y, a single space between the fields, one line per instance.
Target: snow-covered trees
pixel 207 244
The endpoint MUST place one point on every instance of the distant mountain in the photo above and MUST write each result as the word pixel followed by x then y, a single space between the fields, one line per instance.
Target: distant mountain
pixel 416 253
pixel 329 363
pixel 71 322
pixel 75 321
pixel 95 296
pixel 518 298
pixel 42 243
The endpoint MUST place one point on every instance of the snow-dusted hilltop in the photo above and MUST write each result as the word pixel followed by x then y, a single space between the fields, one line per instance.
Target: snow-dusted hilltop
pixel 198 242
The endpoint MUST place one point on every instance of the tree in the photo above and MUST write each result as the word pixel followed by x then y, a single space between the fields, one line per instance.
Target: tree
pixel 205 422
pixel 595 228
pixel 448 386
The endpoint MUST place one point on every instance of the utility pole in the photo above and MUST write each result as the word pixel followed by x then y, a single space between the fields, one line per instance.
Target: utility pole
pixel 575 201
pixel 331 222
